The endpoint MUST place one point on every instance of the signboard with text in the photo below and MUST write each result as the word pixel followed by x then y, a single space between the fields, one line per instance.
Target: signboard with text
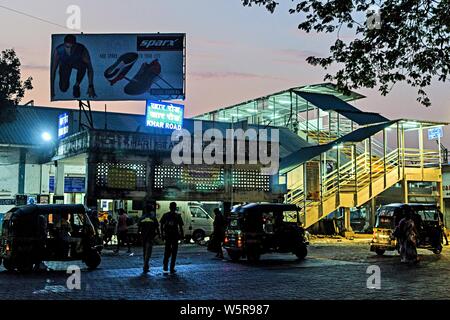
pixel 63 125
pixel 435 133
pixel 164 115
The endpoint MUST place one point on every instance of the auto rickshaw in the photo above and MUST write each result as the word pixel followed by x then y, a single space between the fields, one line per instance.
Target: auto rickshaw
pixel 57 232
pixel 426 219
pixel 254 229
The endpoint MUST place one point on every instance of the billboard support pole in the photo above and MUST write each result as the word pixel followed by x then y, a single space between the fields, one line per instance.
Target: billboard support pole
pixel 85 108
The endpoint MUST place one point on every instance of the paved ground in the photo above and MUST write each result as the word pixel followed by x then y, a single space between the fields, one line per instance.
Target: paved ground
pixel 332 270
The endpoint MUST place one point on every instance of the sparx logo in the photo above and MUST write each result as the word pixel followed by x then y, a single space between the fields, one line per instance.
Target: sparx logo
pixel 156 43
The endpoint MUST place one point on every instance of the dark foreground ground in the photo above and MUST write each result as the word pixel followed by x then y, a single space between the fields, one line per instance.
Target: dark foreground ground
pixel 332 270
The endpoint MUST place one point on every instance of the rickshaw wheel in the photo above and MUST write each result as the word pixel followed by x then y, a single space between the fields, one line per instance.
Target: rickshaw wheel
pixel 253 255
pixel 25 268
pixel 380 252
pixel 301 252
pixel 7 264
pixel 234 256
pixel 93 259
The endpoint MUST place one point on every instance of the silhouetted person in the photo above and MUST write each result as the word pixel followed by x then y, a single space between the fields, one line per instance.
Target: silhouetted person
pixel 171 231
pixel 442 227
pixel 148 228
pixel 407 234
pixel 122 230
pixel 219 231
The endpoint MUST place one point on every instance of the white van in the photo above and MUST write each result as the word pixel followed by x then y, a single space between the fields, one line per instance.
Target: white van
pixel 198 224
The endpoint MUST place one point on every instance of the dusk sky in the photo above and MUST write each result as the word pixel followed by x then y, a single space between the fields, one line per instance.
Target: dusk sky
pixel 234 53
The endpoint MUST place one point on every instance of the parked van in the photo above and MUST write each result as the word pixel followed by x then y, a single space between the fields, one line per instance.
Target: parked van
pixel 198 224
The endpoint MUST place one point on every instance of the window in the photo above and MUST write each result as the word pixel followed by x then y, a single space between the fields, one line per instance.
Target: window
pixel 198 213
pixel 427 214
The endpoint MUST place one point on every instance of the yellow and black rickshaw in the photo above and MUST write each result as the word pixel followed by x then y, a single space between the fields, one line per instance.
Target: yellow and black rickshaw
pixel 59 232
pixel 426 219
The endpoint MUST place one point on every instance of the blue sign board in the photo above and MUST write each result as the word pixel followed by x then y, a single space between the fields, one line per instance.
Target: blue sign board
pixel 164 115
pixel 71 184
pixel 435 133
pixel 63 125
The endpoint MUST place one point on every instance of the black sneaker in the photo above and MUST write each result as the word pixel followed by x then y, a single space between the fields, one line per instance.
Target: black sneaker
pixel 76 91
pixel 120 68
pixel 172 271
pixel 143 80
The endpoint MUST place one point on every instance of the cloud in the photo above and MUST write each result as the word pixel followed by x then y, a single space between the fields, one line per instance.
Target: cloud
pixel 35 67
pixel 294 56
pixel 231 75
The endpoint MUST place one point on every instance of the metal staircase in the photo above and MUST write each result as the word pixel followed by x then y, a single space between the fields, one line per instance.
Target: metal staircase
pixel 356 182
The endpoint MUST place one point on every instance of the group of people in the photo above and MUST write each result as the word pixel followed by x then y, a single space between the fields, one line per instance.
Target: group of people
pixel 169 229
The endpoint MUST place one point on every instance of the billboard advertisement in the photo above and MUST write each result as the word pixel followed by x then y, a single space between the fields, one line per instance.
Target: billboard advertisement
pixel 164 115
pixel 110 67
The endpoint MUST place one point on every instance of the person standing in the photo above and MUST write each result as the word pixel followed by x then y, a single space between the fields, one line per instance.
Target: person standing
pixel 219 231
pixel 148 227
pixel 122 230
pixel 171 231
pixel 111 226
pixel 442 227
pixel 406 233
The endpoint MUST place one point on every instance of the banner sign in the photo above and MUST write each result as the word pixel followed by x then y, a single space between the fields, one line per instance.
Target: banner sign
pixel 164 115
pixel 435 133
pixel 71 184
pixel 108 67
pixel 63 125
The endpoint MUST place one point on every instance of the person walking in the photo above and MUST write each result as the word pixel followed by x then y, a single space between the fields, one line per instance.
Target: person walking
pixel 122 231
pixel 148 228
pixel 111 226
pixel 171 231
pixel 442 227
pixel 219 231
pixel 406 233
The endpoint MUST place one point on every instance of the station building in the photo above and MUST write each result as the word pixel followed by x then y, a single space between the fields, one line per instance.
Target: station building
pixel 334 158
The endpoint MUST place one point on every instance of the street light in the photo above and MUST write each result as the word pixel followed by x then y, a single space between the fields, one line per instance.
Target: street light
pixel 46 136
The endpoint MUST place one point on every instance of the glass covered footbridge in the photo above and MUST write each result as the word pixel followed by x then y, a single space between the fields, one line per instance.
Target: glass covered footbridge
pixel 349 158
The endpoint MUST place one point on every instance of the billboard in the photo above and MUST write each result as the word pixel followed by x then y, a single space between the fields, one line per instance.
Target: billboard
pixel 109 67
pixel 164 115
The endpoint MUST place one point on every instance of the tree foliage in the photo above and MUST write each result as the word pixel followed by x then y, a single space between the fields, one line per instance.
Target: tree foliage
pixel 394 41
pixel 12 88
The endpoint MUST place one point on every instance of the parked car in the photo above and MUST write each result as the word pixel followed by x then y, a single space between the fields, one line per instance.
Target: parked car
pixel 57 232
pixel 389 216
pixel 198 224
pixel 254 229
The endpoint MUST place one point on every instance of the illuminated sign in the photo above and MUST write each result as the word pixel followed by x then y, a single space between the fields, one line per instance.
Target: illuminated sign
pixel 164 115
pixel 435 133
pixel 63 125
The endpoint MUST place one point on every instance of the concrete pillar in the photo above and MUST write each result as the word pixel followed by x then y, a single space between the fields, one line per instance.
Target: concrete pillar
pixel 21 173
pixel 441 197
pixel 227 208
pixel 347 226
pixel 373 211
pixel 405 190
pixel 59 179
pixel 90 199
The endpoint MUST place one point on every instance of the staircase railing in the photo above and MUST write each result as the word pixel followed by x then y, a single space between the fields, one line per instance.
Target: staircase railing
pixel 360 173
